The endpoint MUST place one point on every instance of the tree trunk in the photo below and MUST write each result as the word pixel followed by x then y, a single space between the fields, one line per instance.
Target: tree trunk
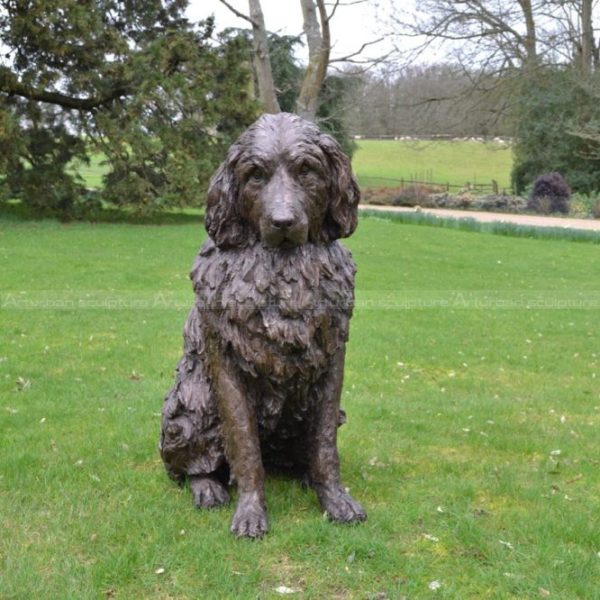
pixel 530 40
pixel 588 48
pixel 262 61
pixel 319 46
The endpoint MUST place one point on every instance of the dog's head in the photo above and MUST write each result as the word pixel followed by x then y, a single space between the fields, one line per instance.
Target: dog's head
pixel 284 183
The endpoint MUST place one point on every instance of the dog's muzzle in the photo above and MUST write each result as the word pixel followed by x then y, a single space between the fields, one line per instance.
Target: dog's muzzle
pixel 283 229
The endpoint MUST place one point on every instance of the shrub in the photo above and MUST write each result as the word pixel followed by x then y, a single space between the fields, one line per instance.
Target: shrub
pixel 550 194
pixel 555 112
pixel 585 205
pixel 415 194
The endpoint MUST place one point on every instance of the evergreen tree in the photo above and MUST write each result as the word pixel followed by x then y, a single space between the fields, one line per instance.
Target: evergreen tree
pixel 555 112
pixel 135 80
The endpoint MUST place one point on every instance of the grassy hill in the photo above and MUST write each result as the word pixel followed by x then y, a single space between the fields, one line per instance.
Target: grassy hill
pixel 378 162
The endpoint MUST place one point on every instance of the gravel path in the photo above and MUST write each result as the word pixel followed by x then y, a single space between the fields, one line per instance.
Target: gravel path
pixel 490 217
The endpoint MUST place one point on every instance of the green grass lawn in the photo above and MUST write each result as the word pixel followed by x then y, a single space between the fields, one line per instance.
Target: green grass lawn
pixel 93 172
pixel 375 162
pixel 472 435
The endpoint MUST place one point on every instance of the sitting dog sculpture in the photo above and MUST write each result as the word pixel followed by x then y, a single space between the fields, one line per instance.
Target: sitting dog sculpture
pixel 260 381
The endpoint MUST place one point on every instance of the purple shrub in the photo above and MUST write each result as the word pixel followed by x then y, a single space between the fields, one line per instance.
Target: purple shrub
pixel 550 194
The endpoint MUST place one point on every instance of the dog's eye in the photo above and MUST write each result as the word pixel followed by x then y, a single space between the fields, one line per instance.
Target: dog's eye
pixel 256 175
pixel 305 169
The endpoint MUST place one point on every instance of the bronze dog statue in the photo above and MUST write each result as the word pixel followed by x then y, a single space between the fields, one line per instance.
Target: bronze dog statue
pixel 260 381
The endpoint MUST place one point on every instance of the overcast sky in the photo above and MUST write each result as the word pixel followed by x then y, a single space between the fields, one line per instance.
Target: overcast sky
pixel 351 26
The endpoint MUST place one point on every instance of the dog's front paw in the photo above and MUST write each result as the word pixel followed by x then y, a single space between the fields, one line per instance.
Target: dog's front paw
pixel 207 492
pixel 339 504
pixel 250 518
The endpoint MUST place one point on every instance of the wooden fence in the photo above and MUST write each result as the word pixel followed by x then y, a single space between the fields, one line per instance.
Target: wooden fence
pixel 478 188
pixel 433 137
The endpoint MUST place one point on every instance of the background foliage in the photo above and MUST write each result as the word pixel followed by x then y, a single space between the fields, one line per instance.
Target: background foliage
pixel 555 109
pixel 159 97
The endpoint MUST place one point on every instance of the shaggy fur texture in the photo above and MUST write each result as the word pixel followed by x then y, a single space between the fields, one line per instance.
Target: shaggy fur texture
pixel 260 380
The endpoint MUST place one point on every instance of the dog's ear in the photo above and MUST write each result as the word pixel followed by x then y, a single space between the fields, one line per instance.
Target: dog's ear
pixel 222 218
pixel 344 194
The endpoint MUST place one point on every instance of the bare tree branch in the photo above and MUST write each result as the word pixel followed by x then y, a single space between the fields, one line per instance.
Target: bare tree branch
pixel 239 14
pixel 335 7
pixel 359 69
pixel 348 57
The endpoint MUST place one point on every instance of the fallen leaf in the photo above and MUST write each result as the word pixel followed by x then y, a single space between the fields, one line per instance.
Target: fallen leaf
pixel 23 384
pixel 283 589
pixel 159 571
pixel 544 592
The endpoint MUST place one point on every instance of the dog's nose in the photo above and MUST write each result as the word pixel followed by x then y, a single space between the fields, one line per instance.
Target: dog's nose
pixel 282 222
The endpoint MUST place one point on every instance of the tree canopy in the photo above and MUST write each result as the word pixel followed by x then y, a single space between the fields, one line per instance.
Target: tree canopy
pixel 159 97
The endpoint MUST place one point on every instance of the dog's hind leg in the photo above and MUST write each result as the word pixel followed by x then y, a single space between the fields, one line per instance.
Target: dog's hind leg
pixel 191 444
pixel 207 492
